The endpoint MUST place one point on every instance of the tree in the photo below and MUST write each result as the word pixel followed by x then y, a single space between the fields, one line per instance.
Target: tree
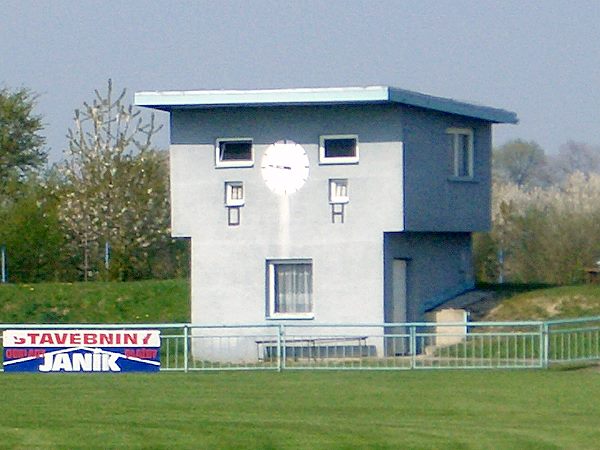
pixel 575 157
pixel 116 188
pixel 548 234
pixel 21 145
pixel 31 232
pixel 520 162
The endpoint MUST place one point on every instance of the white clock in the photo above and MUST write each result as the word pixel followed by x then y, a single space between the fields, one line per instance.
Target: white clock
pixel 285 167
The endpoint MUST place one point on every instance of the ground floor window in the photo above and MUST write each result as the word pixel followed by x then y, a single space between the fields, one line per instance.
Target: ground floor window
pixel 290 288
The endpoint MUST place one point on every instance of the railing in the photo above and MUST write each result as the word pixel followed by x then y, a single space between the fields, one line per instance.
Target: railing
pixel 573 340
pixel 391 346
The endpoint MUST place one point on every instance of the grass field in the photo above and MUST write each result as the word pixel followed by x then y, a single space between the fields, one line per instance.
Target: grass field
pixel 433 409
pixel 462 409
pixel 151 301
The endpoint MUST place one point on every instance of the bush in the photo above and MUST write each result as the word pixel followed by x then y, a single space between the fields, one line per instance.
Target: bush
pixel 547 235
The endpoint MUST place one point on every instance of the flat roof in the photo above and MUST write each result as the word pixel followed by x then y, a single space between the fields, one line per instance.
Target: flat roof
pixel 170 100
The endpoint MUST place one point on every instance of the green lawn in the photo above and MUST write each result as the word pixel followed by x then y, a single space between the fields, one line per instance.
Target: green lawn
pixel 404 409
pixel 151 301
pixel 419 409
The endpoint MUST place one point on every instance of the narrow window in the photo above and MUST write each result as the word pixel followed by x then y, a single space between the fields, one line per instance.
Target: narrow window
pixel 461 141
pixel 234 193
pixel 338 190
pixel 234 216
pixel 290 288
pixel 338 149
pixel 234 201
pixel 234 153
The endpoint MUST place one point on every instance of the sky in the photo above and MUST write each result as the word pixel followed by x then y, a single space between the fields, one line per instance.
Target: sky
pixel 539 59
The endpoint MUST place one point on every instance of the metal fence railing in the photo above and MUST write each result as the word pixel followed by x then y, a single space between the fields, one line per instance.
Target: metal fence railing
pixel 573 340
pixel 389 346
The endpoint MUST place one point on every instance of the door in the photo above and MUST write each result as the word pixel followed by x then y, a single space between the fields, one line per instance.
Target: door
pixel 398 344
pixel 398 290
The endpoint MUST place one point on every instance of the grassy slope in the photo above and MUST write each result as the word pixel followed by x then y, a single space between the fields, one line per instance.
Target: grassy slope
pixel 135 302
pixel 168 301
pixel 448 409
pixel 549 303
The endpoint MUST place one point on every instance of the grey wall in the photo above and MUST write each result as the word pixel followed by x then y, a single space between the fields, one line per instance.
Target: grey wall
pixel 433 200
pixel 229 263
pixel 439 266
pixel 401 182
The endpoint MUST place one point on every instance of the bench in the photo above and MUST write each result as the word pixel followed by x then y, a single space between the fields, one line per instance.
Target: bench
pixel 315 347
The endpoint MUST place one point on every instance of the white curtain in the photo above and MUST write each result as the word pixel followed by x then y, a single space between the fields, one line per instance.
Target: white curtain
pixel 293 288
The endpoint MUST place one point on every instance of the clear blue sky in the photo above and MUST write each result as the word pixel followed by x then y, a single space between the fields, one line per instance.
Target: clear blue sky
pixel 540 59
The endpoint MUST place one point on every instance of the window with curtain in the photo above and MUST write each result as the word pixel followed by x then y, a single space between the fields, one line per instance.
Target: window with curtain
pixel 290 288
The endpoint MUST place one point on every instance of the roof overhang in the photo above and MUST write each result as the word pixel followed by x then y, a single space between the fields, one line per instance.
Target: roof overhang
pixel 170 100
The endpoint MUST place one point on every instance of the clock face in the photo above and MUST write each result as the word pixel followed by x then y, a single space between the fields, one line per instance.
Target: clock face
pixel 285 167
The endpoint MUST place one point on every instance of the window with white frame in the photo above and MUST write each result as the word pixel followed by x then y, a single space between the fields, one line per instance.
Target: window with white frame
pixel 338 149
pixel 234 193
pixel 461 141
pixel 234 152
pixel 338 190
pixel 290 288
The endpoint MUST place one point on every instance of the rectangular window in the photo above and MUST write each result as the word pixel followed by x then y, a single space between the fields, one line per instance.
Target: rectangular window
pixel 289 284
pixel 338 149
pixel 234 216
pixel 461 141
pixel 236 152
pixel 338 190
pixel 234 193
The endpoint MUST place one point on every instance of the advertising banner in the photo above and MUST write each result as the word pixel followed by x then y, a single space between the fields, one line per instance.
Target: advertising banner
pixel 50 351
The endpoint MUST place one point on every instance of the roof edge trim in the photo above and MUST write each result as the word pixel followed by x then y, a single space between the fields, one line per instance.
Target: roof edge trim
pixel 170 100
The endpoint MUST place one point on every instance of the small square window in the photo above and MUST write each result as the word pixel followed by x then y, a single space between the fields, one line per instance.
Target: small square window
pixel 237 152
pixel 290 289
pixel 234 193
pixel 461 142
pixel 338 149
pixel 338 190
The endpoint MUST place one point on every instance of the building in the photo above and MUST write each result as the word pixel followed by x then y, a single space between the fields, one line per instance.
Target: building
pixel 332 205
